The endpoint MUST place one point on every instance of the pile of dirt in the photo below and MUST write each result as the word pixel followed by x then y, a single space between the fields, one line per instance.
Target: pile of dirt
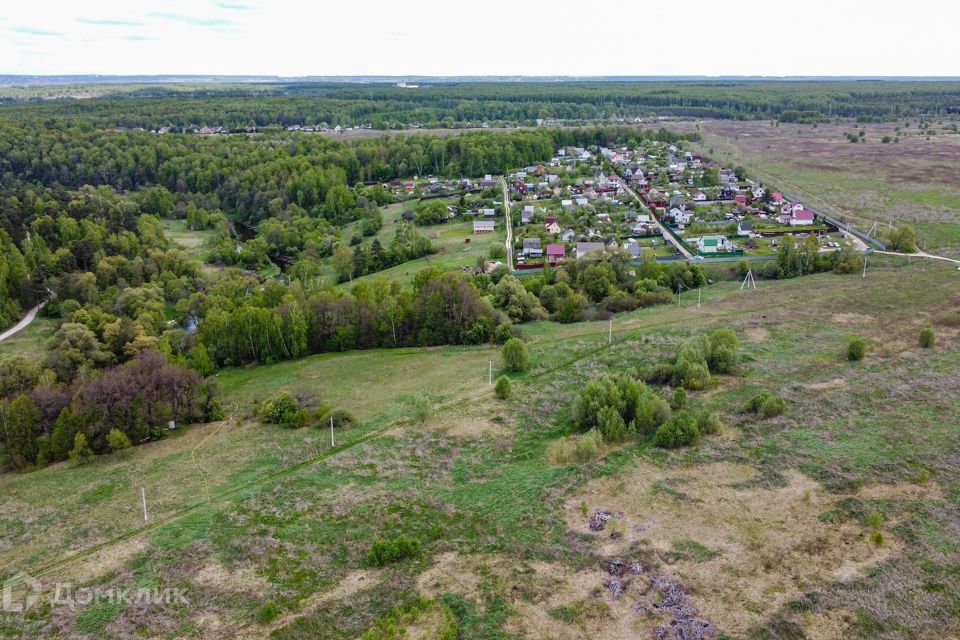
pixel 598 521
pixel 662 597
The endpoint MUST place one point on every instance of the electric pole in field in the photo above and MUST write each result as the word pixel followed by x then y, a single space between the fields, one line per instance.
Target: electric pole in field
pixel 332 443
pixel 143 498
pixel 490 375
pixel 864 266
pixel 748 281
pixel 610 332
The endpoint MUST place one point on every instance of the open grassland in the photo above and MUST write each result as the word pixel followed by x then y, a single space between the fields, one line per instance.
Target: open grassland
pixel 193 243
pixel 914 180
pixel 767 524
pixel 30 342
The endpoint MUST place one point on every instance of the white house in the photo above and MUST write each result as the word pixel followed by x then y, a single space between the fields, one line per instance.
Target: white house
pixel 802 217
pixel 484 226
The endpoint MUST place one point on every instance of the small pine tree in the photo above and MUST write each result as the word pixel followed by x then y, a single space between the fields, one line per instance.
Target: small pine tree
pixel 81 451
pixel 118 441
pixel 856 348
pixel 503 389
pixel 516 356
pixel 927 337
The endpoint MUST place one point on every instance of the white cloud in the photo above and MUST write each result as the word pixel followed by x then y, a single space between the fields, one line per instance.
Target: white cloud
pixel 498 37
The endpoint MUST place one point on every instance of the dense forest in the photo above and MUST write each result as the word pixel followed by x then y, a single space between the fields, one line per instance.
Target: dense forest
pixel 383 106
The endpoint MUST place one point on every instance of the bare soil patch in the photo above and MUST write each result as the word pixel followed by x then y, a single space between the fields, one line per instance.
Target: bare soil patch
pixel 755 547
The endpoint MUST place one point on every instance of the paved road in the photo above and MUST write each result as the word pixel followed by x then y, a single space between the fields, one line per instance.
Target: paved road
pixel 27 319
pixel 509 222
pixel 666 234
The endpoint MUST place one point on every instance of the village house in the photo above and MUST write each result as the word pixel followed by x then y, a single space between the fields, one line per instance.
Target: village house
pixel 583 248
pixel 714 244
pixel 489 213
pixel 532 248
pixel 568 235
pixel 526 216
pixel 484 226
pixel 556 252
pixel 745 228
pixel 801 217
pixel 488 181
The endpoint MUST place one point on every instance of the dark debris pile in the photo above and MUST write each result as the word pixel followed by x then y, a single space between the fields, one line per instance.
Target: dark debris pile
pixel 598 521
pixel 662 597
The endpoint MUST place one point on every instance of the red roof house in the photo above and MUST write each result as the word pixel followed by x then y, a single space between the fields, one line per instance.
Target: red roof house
pixel 556 251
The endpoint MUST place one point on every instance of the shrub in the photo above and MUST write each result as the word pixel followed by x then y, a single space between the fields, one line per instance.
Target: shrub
pixel 875 520
pixel 503 333
pixel 267 613
pixel 708 423
pixel 680 431
pixel 723 357
pixel 503 389
pixel 588 446
pixel 927 337
pixel 568 450
pixel 516 356
pixel 385 551
pixel 280 408
pixel 766 405
pixel 611 424
pixel 679 399
pixel 341 419
pixel 856 348
pixel 81 451
pixel 118 441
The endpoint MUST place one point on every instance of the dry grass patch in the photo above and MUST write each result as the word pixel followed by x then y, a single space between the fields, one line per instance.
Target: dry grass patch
pixel 767 545
pixel 535 589
pixel 851 318
pixel 836 383
pixel 234 580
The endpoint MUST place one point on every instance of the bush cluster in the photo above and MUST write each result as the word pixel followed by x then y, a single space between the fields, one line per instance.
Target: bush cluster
pixel 697 359
pixel 282 408
pixel 568 450
pixel 618 406
pixel 766 405
pixel 385 551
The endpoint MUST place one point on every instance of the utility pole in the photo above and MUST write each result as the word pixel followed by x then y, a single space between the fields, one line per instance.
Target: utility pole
pixel 864 266
pixel 143 498
pixel 332 443
pixel 610 332
pixel 699 291
pixel 490 375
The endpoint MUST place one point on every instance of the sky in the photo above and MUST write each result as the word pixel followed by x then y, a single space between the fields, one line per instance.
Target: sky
pixel 495 37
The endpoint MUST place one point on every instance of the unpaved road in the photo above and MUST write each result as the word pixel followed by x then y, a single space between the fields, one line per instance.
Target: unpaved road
pixel 27 319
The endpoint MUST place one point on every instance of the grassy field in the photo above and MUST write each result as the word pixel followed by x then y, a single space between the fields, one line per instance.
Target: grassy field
pixel 914 180
pixel 448 239
pixel 30 342
pixel 767 524
pixel 193 243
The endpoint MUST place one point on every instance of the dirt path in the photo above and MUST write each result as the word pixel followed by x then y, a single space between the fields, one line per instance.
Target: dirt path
pixel 919 254
pixel 666 234
pixel 27 319
pixel 509 223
